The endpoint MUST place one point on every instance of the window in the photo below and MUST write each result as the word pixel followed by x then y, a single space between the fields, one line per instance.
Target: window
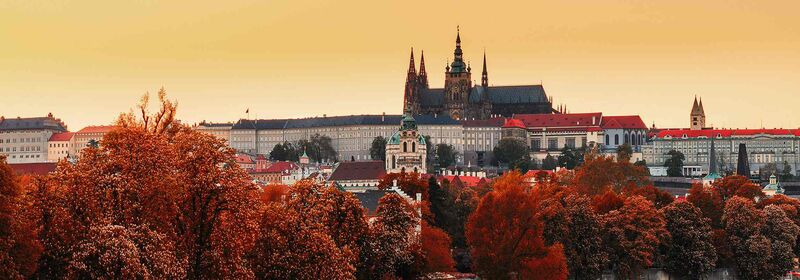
pixel 413 147
pixel 536 144
pixel 405 147
pixel 616 139
pixel 552 144
pixel 570 142
pixel 608 142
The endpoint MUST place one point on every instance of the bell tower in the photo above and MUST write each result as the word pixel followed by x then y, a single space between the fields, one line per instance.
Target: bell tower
pixel 457 83
pixel 697 117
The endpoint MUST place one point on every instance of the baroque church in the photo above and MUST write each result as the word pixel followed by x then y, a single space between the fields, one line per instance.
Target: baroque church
pixel 463 100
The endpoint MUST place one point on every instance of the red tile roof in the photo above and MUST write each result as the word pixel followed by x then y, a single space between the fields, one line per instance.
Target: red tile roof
pixel 359 170
pixel 560 120
pixel 623 122
pixel 64 136
pixel 283 167
pixel 467 181
pixel 97 129
pixel 513 123
pixel 678 133
pixel 40 168
pixel 244 159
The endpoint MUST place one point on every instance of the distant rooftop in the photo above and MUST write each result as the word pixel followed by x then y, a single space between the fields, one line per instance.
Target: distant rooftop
pixel 48 122
pixel 341 121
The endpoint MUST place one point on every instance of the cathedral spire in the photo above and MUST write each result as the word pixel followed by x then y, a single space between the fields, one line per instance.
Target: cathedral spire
pixel 423 75
pixel 458 64
pixel 484 74
pixel 411 66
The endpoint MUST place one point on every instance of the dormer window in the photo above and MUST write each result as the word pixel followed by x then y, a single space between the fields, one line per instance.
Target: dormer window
pixel 684 136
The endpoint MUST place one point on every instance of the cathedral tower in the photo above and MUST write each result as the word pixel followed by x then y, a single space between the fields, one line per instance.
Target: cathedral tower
pixel 698 116
pixel 457 83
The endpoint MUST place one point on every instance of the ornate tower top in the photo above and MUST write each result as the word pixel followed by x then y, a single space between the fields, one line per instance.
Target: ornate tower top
pixel 697 116
pixel 458 65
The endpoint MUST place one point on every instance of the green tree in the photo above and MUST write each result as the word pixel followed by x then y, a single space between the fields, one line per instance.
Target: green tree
pixel 786 172
pixel 674 163
pixel 510 150
pixel 624 152
pixel 768 170
pixel 319 148
pixel 378 149
pixel 445 155
pixel 569 158
pixel 690 252
pixel 284 151
pixel 572 222
pixel 549 162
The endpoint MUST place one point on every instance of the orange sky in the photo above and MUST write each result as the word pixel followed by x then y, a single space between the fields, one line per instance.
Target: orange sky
pixel 87 61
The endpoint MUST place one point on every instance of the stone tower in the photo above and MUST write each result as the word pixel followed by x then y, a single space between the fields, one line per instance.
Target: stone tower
pixel 457 83
pixel 698 116
pixel 406 150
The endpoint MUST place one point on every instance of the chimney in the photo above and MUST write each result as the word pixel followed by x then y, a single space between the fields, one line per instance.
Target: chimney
pixel 383 117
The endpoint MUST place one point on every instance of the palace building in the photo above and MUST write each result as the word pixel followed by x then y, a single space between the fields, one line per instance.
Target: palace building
pixel 463 100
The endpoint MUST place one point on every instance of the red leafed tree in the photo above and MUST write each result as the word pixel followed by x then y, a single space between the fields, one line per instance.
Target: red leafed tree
pixel 607 202
pixel 731 186
pixel 709 201
pixel 790 206
pixel 18 247
pixel 600 174
pixel 154 171
pixel 632 235
pixel 288 248
pixel 410 183
pixel 116 252
pixel 274 193
pixel 658 197
pixel 436 247
pixel 505 235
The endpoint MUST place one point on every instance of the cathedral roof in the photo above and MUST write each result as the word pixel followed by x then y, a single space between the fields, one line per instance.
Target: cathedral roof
pixel 496 94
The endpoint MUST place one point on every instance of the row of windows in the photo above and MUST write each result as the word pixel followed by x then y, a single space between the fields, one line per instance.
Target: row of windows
pixel 23 149
pixel 25 156
pixel 23 140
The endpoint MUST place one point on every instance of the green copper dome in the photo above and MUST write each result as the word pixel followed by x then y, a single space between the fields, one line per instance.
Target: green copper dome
pixel 408 122
pixel 395 139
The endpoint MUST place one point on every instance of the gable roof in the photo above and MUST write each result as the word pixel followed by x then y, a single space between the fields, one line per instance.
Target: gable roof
pixel 39 168
pixel 358 170
pixel 283 167
pixel 622 122
pixel 63 136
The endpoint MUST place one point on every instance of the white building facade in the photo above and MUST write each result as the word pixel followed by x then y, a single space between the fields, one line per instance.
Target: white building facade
pixel 25 140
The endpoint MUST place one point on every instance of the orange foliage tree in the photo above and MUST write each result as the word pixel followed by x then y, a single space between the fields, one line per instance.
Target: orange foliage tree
pixel 153 172
pixel 735 185
pixel 600 174
pixel 570 220
pixel 436 248
pixel 18 246
pixel 632 235
pixel 505 235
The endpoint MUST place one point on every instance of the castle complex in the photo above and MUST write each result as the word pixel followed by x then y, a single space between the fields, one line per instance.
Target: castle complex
pixel 462 100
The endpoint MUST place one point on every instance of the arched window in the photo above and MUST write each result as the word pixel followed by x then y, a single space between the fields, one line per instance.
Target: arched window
pixel 394 162
pixel 413 147
pixel 627 138
pixel 608 142
pixel 405 147
pixel 616 139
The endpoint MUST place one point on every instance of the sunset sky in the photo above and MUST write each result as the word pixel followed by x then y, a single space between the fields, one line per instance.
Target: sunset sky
pixel 87 61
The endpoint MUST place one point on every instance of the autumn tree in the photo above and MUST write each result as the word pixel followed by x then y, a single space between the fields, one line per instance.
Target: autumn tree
pixel 599 174
pixel 571 221
pixel 117 252
pixel 790 206
pixel 632 235
pixel 690 252
pixel 410 183
pixel 709 201
pixel 762 241
pixel 735 185
pixel 505 235
pixel 658 197
pixel 288 247
pixel 18 247
pixel 152 171
pixel 435 245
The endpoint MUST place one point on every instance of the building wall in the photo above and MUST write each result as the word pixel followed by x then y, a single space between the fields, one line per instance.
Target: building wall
pixel 25 146
pixel 762 150
pixel 57 150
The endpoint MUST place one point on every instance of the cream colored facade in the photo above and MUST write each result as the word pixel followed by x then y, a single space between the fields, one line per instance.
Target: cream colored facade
pixel 87 135
pixel 220 130
pixel 24 140
pixel 61 146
